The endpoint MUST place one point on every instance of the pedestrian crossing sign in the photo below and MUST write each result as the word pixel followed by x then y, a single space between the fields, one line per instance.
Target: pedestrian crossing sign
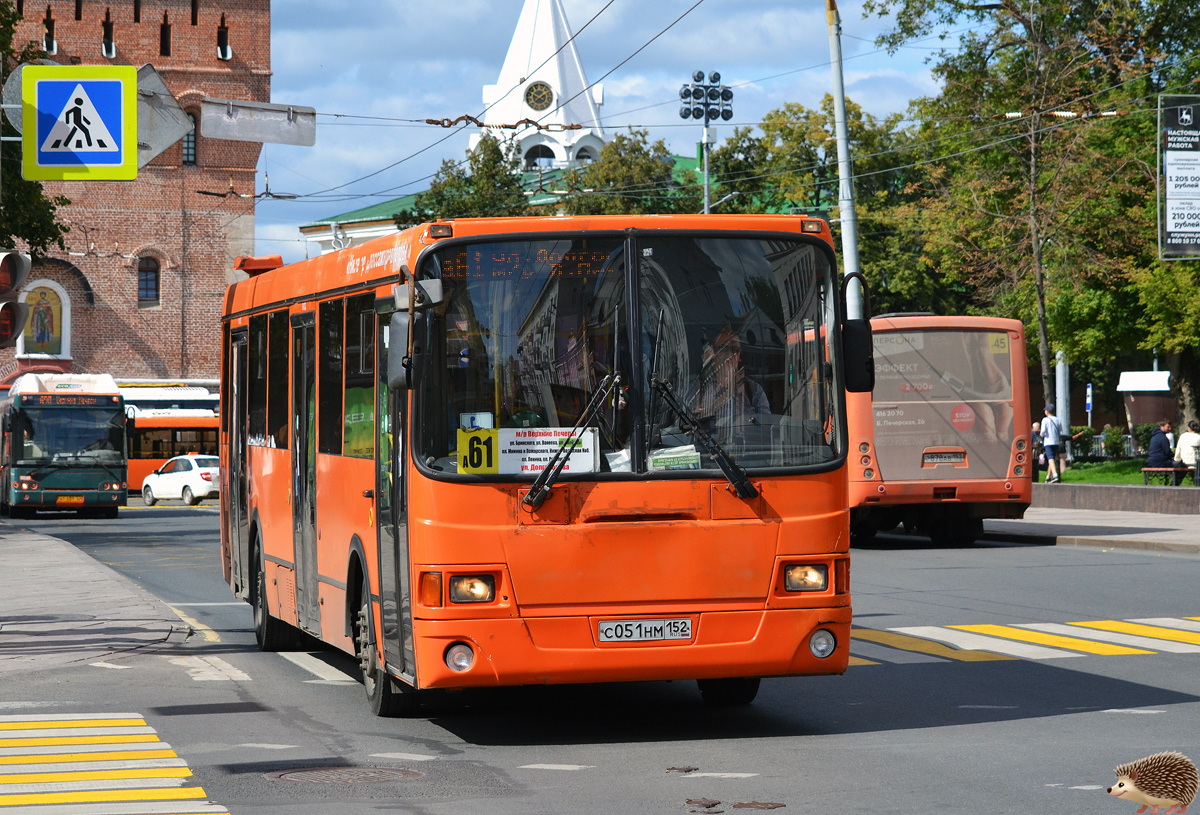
pixel 84 122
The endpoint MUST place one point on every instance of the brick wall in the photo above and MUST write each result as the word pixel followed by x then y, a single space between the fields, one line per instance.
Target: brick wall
pixel 161 215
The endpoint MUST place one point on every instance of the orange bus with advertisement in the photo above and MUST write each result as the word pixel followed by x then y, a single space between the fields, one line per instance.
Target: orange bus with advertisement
pixel 944 440
pixel 547 450
pixel 158 435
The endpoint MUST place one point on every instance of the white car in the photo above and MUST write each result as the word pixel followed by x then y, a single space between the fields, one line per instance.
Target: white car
pixel 188 477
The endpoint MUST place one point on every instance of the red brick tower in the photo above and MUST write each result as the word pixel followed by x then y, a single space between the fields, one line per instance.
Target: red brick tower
pixel 139 293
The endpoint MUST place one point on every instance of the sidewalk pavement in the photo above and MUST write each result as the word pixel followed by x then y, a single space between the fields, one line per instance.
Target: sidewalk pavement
pixel 1088 527
pixel 60 607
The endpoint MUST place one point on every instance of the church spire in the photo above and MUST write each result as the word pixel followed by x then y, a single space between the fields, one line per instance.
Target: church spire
pixel 543 79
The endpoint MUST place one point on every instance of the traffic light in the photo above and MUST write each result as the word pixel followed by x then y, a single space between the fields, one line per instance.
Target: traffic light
pixel 14 268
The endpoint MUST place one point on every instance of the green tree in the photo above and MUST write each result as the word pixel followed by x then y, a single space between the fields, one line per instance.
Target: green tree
pixel 488 185
pixel 792 167
pixel 26 215
pixel 632 176
pixel 1023 212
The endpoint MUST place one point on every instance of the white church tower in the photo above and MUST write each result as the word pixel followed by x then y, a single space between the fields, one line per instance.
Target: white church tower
pixel 543 80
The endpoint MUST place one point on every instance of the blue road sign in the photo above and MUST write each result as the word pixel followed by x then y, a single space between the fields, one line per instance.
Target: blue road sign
pixel 84 122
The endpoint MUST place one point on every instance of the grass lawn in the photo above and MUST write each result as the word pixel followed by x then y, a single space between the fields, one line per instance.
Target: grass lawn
pixel 1116 471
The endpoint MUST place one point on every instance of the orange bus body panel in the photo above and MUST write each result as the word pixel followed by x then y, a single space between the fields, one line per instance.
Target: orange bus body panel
pixel 1005 493
pixel 595 550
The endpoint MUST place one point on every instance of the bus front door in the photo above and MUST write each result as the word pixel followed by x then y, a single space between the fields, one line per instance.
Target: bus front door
pixel 391 509
pixel 238 516
pixel 304 470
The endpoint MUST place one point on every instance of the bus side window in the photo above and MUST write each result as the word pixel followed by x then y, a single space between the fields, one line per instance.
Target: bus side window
pixel 257 385
pixel 359 429
pixel 278 368
pixel 329 376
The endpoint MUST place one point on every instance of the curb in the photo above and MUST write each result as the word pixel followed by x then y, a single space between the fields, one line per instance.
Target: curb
pixel 1104 543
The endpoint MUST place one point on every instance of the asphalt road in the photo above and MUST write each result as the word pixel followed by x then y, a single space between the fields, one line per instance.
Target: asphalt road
pixel 908 728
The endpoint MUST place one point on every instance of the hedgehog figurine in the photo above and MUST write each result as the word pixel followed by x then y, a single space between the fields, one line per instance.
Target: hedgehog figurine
pixel 1161 780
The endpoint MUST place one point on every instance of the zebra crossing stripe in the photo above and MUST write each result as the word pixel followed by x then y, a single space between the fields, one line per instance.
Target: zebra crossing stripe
pixel 93 775
pixel 70 740
pixel 102 796
pixel 1053 640
pixel 860 661
pixel 921 645
pixel 1187 623
pixel 124 808
pixel 110 764
pixel 978 642
pixel 44 724
pixel 83 765
pixel 1142 630
pixel 1109 636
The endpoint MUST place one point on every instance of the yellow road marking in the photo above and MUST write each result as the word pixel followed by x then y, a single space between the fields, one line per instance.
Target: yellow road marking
pixel 50 742
pixel 907 643
pixel 1042 638
pixel 100 796
pixel 1143 630
pixel 59 758
pixel 94 775
pixel 861 661
pixel 55 725
pixel 208 633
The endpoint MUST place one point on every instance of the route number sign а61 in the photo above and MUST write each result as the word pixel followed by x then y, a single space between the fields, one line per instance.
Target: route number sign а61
pixel 1180 176
pixel 80 122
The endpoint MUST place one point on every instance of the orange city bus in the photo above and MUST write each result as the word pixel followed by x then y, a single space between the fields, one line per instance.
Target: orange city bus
pixel 578 449
pixel 158 435
pixel 944 440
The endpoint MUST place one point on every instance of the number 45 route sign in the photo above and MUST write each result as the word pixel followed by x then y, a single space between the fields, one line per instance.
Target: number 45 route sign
pixel 84 123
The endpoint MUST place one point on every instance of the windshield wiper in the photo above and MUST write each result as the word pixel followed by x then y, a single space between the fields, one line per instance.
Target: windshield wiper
pixel 545 481
pixel 690 424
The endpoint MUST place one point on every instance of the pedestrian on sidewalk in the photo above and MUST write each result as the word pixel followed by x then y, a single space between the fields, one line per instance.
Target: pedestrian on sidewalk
pixel 1052 435
pixel 1160 455
pixel 1038 452
pixel 1185 450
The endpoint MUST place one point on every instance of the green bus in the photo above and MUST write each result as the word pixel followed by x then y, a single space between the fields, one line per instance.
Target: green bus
pixel 63 445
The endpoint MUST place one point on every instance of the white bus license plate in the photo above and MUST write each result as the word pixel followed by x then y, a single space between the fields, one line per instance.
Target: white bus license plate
pixel 945 458
pixel 645 630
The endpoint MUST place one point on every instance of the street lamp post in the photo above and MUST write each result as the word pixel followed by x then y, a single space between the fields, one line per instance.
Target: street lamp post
pixel 708 101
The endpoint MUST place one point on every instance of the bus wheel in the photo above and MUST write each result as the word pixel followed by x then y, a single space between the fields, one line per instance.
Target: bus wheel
pixel 384 695
pixel 19 513
pixel 148 496
pixel 109 512
pixel 729 692
pixel 967 532
pixel 863 532
pixel 271 633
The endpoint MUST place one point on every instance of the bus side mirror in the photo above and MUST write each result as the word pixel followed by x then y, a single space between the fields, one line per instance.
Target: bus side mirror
pixel 860 358
pixel 857 346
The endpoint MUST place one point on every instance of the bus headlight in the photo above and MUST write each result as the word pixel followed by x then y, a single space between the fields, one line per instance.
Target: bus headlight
pixel 813 577
pixel 822 643
pixel 460 657
pixel 472 588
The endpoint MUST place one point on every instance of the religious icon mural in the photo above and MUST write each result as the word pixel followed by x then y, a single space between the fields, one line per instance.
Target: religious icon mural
pixel 43 331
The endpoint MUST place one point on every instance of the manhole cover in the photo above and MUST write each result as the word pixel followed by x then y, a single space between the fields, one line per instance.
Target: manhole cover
pixel 346 775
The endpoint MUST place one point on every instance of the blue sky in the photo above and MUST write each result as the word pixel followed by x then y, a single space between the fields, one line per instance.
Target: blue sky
pixel 395 60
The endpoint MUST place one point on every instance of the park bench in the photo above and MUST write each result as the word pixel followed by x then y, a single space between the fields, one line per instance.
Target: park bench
pixel 1167 475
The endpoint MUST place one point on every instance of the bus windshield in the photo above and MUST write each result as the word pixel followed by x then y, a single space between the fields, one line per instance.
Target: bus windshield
pixel 943 396
pixel 736 327
pixel 69 436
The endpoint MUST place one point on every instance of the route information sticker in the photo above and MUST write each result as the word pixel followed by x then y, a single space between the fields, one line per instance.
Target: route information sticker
pixel 1180 117
pixel 526 450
